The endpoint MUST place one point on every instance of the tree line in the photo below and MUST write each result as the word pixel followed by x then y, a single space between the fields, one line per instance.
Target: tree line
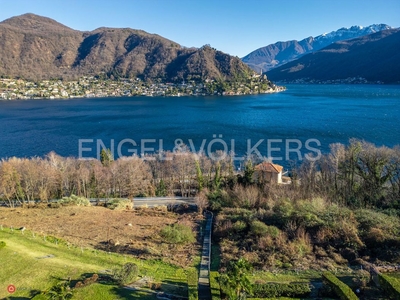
pixel 52 177
pixel 359 174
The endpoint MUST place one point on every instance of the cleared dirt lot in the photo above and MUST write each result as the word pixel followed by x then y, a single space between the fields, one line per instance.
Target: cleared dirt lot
pixel 133 232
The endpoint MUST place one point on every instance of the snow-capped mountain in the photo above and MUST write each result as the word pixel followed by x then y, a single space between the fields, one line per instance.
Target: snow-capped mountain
pixel 275 55
pixel 326 39
pixel 370 58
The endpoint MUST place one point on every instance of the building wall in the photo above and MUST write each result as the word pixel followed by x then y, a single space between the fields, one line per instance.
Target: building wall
pixel 268 176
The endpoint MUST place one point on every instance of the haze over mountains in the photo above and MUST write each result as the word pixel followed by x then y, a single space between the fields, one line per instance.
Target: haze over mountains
pixel 374 58
pixel 275 55
pixel 35 47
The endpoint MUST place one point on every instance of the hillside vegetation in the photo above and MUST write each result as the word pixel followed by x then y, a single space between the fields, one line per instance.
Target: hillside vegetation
pixel 35 47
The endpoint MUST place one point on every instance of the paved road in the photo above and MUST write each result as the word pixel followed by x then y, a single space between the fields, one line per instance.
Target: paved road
pixel 158 201
pixel 204 276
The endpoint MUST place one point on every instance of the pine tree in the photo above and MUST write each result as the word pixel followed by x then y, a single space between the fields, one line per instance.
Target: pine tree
pixel 106 157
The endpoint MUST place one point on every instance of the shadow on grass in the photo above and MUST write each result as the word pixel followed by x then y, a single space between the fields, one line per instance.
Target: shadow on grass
pixel 149 291
pixel 123 293
pixel 126 249
pixel 173 287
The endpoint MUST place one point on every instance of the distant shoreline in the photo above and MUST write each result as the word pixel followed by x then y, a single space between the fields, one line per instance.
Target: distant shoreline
pixel 281 89
pixel 92 87
pixel 354 81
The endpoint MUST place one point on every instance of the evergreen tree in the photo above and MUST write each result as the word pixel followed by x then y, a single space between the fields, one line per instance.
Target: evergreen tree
pixel 200 178
pixel 217 178
pixel 106 157
pixel 235 282
pixel 248 173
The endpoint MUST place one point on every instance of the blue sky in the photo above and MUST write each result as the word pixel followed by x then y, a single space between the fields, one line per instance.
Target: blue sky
pixel 233 26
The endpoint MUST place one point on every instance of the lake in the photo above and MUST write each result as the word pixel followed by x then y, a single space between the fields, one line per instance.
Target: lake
pixel 305 117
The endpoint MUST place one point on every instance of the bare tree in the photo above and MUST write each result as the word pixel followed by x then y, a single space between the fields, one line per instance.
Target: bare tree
pixel 202 200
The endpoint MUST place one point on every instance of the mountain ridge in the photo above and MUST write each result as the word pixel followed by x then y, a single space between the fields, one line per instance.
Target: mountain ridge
pixel 370 58
pixel 36 47
pixel 277 54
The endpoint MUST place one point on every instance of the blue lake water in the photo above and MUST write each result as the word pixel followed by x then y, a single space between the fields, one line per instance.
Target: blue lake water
pixel 327 113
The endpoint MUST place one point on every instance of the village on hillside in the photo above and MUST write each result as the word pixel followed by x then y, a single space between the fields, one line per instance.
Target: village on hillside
pixel 91 86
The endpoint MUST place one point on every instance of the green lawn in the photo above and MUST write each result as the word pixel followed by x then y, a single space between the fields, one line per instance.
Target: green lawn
pixel 24 263
pixel 285 276
pixel 103 292
pixel 394 274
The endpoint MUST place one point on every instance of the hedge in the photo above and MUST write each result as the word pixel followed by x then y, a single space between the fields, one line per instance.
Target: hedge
pixel 273 290
pixel 390 285
pixel 340 288
pixel 192 279
pixel 214 285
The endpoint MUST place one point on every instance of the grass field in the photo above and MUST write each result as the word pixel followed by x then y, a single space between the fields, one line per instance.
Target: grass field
pixel 34 263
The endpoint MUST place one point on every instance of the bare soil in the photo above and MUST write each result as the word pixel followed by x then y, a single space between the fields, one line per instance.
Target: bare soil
pixel 132 232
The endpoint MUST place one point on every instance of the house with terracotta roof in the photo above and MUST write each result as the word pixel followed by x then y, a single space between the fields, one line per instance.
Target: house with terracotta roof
pixel 268 172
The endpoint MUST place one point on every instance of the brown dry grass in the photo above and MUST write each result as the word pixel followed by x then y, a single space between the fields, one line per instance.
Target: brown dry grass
pixel 109 230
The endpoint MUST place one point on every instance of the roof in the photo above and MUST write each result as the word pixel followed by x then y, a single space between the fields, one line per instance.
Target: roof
pixel 269 167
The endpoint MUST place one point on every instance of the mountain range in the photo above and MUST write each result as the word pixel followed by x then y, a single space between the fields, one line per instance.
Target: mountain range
pixel 35 47
pixel 275 55
pixel 373 58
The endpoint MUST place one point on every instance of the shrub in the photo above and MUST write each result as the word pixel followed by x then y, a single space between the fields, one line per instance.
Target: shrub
pixel 246 196
pixel 283 211
pixel 126 274
pixel 272 290
pixel 235 281
pixel 2 244
pixel 369 219
pixel 303 242
pixel 219 199
pixel 61 290
pixel 238 214
pixel 362 278
pixel 117 204
pixel 340 228
pixel 74 201
pixel 239 226
pixel 273 231
pixel 177 234
pixel 261 229
pixel 258 228
pixel 192 279
pixel 340 288
pixel 390 285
